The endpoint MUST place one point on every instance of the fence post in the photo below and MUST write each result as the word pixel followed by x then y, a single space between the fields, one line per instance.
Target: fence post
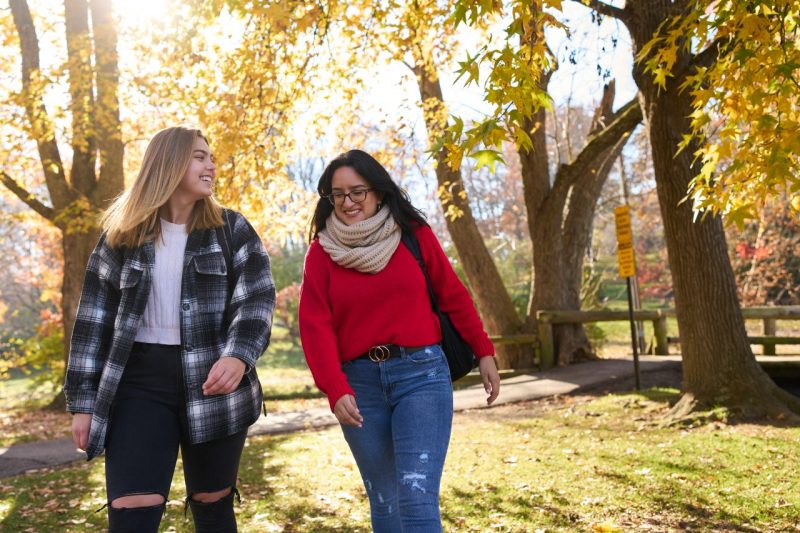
pixel 660 332
pixel 770 328
pixel 546 345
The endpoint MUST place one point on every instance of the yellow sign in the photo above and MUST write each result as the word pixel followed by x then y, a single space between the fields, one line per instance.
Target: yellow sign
pixel 625 255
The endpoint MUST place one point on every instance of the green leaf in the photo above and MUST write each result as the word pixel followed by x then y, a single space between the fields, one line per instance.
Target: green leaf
pixel 787 69
pixel 487 158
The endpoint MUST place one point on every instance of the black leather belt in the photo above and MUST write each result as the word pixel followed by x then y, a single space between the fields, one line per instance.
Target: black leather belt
pixel 382 352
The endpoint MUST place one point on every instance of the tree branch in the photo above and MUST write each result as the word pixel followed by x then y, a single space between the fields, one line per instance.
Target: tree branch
pixel 109 131
pixel 606 9
pixel 622 122
pixel 711 53
pixel 42 129
pixel 12 185
pixel 81 83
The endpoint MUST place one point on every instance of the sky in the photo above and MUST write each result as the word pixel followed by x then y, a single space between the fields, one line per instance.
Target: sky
pixel 575 84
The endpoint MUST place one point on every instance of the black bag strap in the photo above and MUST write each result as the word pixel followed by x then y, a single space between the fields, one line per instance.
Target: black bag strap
pixel 225 239
pixel 411 242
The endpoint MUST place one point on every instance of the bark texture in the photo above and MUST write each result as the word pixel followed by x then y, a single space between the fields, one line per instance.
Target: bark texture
pixel 75 197
pixel 719 368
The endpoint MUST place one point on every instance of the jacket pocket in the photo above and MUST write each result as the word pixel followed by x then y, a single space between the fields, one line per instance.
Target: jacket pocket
pixel 211 282
pixel 211 265
pixel 129 276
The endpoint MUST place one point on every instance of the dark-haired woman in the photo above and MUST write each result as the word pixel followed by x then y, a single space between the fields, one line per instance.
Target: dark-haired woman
pixel 371 338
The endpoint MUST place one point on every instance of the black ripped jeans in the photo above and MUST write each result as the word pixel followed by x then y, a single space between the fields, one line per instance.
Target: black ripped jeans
pixel 148 426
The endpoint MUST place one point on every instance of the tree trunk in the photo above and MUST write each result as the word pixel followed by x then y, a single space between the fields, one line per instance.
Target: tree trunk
pixel 580 214
pixel 93 69
pixel 719 368
pixel 577 239
pixel 560 215
pixel 492 298
pixel 545 202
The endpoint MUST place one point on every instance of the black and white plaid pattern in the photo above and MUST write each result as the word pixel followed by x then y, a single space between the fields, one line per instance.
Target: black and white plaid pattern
pixel 114 296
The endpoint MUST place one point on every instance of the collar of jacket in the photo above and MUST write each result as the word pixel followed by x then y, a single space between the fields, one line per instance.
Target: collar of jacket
pixel 142 258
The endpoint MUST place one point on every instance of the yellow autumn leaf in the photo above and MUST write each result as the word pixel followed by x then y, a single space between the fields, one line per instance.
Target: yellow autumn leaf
pixel 606 527
pixel 795 203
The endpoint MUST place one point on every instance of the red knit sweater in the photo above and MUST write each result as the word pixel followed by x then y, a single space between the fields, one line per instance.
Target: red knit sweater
pixel 344 312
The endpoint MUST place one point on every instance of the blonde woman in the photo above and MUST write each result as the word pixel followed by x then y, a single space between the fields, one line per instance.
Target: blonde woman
pixel 176 309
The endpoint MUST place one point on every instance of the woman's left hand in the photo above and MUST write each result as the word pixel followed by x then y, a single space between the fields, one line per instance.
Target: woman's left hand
pixel 224 376
pixel 490 378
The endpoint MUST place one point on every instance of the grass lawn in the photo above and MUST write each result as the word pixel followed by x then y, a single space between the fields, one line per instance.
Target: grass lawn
pixel 286 381
pixel 566 464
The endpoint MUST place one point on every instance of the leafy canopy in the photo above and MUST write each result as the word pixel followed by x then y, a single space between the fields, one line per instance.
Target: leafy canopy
pixel 746 118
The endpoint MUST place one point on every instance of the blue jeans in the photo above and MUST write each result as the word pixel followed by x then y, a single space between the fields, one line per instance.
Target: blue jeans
pixel 407 406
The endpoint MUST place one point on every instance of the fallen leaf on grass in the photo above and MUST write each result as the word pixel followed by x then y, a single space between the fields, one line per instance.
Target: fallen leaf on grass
pixel 606 527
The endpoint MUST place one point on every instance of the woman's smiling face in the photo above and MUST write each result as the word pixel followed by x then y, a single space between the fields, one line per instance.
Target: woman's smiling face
pixel 198 182
pixel 346 180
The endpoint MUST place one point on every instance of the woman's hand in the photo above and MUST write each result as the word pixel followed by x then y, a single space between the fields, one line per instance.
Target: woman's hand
pixel 490 378
pixel 224 376
pixel 81 422
pixel 346 411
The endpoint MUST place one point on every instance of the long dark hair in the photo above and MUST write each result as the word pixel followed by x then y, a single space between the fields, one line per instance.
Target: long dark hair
pixel 405 215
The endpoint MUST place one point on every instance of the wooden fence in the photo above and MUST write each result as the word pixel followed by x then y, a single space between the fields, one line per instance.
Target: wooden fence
pixel 547 319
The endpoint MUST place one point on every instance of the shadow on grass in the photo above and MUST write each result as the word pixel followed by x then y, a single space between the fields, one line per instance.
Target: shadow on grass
pixel 675 496
pixel 282 353
pixel 39 498
pixel 263 479
pixel 459 506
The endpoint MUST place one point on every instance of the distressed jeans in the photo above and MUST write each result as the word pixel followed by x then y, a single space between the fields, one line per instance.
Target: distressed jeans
pixel 147 428
pixel 407 406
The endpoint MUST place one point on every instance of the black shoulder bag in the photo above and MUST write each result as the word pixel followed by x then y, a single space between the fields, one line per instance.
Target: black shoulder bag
pixel 225 238
pixel 460 357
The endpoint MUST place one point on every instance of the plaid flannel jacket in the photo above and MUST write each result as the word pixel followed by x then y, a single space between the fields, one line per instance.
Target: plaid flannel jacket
pixel 115 291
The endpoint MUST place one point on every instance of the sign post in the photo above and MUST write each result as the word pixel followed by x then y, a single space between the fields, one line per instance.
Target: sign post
pixel 627 269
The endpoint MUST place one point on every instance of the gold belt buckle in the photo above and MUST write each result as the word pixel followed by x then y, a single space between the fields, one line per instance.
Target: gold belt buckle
pixel 380 353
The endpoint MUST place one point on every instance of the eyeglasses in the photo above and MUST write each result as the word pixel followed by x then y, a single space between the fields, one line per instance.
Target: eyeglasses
pixel 357 196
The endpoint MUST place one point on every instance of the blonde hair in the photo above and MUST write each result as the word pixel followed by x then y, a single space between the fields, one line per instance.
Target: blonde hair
pixel 133 217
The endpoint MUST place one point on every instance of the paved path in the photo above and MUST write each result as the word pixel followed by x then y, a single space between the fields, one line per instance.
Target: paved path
pixel 585 376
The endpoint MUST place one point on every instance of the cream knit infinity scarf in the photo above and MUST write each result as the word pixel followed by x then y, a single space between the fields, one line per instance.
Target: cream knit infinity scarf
pixel 365 246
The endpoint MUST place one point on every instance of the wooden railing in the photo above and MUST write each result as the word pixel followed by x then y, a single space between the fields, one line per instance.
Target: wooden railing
pixel 546 320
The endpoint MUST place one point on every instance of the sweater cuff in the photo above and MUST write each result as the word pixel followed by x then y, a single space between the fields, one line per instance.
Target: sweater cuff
pixel 483 348
pixel 337 391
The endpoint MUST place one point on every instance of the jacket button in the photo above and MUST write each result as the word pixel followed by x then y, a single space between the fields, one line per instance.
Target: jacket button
pixel 185 307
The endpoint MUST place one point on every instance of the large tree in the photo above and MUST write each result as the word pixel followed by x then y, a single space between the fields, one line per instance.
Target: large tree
pixel 84 182
pixel 719 368
pixel 560 208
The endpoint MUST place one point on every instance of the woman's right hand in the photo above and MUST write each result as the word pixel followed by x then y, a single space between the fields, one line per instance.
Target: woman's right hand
pixel 346 411
pixel 80 429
